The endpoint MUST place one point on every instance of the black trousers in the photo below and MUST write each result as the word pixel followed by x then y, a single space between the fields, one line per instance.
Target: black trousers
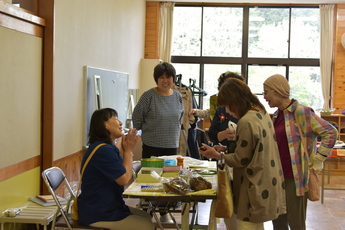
pixel 149 151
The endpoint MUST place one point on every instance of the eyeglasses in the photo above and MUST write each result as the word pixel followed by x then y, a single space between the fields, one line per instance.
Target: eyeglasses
pixel 265 93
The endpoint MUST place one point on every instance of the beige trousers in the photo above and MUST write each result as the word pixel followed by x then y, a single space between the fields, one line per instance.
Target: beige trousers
pixel 138 220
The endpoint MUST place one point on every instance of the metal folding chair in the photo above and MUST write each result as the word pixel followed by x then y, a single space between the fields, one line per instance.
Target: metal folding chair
pixel 54 178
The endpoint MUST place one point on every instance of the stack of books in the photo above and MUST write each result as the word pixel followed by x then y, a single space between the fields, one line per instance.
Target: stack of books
pixel 47 200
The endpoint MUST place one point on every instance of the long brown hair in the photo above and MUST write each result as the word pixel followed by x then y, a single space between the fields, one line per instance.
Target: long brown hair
pixel 236 94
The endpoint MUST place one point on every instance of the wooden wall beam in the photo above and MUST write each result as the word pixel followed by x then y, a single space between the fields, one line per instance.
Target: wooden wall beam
pixel 339 62
pixel 18 168
pixel 152 30
pixel 46 11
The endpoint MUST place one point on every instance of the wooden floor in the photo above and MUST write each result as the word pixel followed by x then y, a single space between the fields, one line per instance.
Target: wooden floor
pixel 327 216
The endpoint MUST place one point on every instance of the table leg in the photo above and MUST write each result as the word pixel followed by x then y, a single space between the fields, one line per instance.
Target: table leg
pixel 185 216
pixel 212 222
pixel 329 171
pixel 151 207
pixel 323 184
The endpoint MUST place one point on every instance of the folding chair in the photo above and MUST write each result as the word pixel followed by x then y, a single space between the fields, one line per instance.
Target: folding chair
pixel 53 178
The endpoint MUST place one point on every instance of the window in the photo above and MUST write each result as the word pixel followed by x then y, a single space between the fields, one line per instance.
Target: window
pixel 222 32
pixel 256 42
pixel 268 32
pixel 187 31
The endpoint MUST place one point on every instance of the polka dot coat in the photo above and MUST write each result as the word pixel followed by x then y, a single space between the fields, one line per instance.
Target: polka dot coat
pixel 259 190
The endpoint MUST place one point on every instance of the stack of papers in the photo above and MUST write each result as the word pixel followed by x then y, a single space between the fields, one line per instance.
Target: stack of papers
pixel 47 200
pixel 339 145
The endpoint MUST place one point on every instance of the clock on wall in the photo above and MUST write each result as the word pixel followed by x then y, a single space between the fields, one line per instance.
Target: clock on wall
pixel 343 40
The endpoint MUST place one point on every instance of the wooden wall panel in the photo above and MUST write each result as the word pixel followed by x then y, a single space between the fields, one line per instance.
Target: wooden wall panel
pixel 339 62
pixel 21 56
pixel 20 167
pixel 70 165
pixel 152 30
pixel 20 25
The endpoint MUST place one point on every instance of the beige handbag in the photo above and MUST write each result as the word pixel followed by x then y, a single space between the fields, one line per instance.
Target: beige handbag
pixel 224 203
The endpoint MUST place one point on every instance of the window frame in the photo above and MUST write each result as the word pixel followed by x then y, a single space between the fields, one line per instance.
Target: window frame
pixel 244 61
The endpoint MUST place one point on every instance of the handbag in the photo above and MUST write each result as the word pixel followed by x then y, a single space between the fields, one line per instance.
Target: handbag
pixel 224 204
pixel 75 215
pixel 313 193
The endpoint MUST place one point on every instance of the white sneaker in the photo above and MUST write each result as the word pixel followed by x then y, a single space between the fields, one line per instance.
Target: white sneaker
pixel 166 219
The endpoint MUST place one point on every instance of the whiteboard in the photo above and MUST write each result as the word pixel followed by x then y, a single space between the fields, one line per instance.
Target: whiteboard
pixel 105 88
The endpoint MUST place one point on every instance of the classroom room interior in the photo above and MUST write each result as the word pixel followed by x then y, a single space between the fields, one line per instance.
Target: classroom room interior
pixel 42 61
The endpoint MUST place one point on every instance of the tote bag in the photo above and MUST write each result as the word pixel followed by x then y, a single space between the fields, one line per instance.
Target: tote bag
pixel 224 203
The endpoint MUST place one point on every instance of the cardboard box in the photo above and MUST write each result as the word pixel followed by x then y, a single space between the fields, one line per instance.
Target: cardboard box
pixel 144 175
pixel 171 168
pixel 170 174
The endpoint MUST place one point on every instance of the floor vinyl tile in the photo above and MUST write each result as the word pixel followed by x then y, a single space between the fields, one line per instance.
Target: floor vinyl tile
pixel 327 216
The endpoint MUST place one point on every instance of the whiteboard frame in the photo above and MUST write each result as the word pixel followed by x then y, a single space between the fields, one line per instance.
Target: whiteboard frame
pixel 113 90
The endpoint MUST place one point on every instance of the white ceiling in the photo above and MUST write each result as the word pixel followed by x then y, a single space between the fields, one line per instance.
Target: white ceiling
pixel 264 1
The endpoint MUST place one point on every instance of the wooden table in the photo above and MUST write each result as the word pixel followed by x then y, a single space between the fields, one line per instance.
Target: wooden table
pixel 338 157
pixel 188 201
pixel 31 213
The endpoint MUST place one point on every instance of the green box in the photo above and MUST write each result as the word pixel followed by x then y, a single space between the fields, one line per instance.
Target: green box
pixel 144 175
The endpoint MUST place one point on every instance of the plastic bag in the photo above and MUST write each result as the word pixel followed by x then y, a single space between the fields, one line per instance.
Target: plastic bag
pixel 176 185
pixel 197 182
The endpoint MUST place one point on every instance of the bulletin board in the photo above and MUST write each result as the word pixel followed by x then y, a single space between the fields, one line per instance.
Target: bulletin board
pixel 105 88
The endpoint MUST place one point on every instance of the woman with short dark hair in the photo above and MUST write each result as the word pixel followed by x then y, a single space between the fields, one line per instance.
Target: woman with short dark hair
pixel 159 114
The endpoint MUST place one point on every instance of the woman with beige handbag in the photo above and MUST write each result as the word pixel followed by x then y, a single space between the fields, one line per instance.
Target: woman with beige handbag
pixel 258 183
pixel 293 123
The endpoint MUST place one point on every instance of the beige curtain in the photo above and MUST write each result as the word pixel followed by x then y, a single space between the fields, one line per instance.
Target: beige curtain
pixel 165 28
pixel 326 51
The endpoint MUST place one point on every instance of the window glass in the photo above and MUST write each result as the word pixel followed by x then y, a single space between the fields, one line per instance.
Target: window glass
pixel 256 77
pixel 211 75
pixel 264 103
pixel 305 83
pixel 186 31
pixel 188 71
pixel 190 75
pixel 305 33
pixel 268 32
pixel 258 74
pixel 222 31
pixel 278 38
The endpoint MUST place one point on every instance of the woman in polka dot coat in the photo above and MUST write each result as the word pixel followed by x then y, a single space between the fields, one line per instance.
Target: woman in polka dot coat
pixel 258 184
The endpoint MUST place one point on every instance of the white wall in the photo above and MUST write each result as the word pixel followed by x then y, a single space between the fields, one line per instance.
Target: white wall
pixel 107 34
